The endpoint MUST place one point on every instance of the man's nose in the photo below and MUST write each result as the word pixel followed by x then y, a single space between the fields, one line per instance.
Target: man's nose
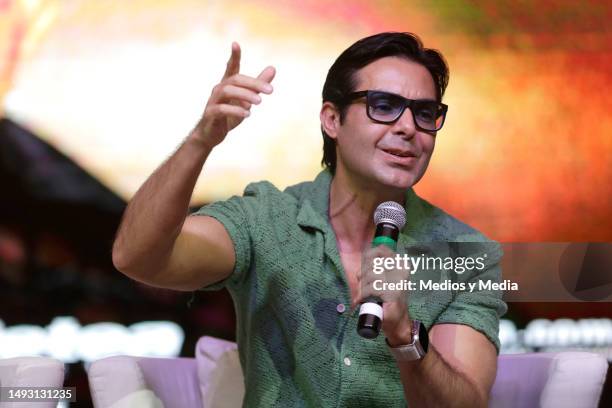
pixel 404 125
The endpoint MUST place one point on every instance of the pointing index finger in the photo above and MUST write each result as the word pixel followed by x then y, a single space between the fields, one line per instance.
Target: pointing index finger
pixel 233 65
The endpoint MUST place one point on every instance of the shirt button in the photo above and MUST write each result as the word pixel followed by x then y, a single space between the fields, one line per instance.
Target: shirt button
pixel 340 308
pixel 347 361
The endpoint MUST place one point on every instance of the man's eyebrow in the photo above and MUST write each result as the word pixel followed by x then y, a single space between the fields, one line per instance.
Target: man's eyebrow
pixel 385 91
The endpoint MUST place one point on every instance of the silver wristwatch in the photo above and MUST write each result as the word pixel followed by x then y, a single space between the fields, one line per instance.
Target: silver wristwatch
pixel 415 350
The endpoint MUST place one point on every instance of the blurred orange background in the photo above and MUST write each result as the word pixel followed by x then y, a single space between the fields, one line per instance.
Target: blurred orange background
pixel 525 154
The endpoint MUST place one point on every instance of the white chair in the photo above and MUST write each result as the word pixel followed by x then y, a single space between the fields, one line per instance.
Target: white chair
pixel 31 372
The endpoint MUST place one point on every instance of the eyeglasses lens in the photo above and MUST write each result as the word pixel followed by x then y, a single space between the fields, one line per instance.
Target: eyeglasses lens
pixel 385 107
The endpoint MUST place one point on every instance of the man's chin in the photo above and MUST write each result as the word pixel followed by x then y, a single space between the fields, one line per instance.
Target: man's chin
pixel 398 179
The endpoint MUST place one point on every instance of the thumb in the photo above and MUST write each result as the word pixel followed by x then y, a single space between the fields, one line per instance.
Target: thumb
pixel 267 74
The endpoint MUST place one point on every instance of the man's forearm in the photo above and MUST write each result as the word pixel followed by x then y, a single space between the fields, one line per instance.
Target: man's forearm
pixel 432 382
pixel 156 213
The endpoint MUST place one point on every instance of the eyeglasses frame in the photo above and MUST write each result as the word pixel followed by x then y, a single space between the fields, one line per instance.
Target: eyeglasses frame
pixel 408 103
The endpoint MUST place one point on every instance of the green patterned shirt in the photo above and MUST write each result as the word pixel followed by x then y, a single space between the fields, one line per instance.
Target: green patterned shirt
pixel 297 338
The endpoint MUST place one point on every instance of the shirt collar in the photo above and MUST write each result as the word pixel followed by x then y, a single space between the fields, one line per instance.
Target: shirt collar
pixel 314 203
pixel 314 207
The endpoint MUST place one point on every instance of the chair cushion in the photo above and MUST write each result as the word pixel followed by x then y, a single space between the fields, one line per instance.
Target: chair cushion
pixel 564 379
pixel 576 380
pixel 103 375
pixel 124 381
pixel 31 372
pixel 219 373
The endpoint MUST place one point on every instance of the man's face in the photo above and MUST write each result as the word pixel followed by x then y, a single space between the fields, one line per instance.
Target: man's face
pixel 394 155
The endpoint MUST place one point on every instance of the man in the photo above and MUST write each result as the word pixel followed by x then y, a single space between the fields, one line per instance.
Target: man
pixel 292 260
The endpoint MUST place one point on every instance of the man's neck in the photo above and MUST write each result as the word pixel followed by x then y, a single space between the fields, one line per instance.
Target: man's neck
pixel 351 207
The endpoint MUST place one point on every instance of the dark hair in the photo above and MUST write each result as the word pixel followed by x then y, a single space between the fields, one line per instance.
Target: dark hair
pixel 341 79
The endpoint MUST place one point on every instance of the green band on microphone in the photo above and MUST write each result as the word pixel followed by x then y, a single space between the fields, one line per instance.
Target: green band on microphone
pixel 386 241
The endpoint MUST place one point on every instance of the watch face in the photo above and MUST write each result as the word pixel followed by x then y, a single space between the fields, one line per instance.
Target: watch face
pixel 423 337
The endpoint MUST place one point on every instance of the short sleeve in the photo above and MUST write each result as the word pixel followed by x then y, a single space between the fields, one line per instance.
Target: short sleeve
pixel 482 308
pixel 235 214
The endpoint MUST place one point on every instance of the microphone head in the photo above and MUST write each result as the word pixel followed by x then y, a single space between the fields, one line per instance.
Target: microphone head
pixel 390 212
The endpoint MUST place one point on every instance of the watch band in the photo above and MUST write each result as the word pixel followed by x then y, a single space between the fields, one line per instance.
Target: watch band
pixel 415 350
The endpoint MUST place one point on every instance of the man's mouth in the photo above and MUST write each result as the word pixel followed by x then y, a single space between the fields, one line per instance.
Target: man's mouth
pixel 399 152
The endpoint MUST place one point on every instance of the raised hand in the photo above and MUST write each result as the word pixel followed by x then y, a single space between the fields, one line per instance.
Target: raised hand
pixel 231 100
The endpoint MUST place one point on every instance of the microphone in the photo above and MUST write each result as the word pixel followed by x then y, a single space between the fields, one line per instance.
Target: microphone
pixel 389 218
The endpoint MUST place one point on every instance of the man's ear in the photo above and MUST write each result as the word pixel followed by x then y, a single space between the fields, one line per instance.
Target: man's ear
pixel 330 119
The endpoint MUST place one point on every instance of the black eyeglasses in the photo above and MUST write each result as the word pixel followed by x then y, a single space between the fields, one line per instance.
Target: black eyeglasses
pixel 386 107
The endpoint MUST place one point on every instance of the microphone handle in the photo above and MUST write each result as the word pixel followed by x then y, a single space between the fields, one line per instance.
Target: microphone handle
pixel 371 311
pixel 386 234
